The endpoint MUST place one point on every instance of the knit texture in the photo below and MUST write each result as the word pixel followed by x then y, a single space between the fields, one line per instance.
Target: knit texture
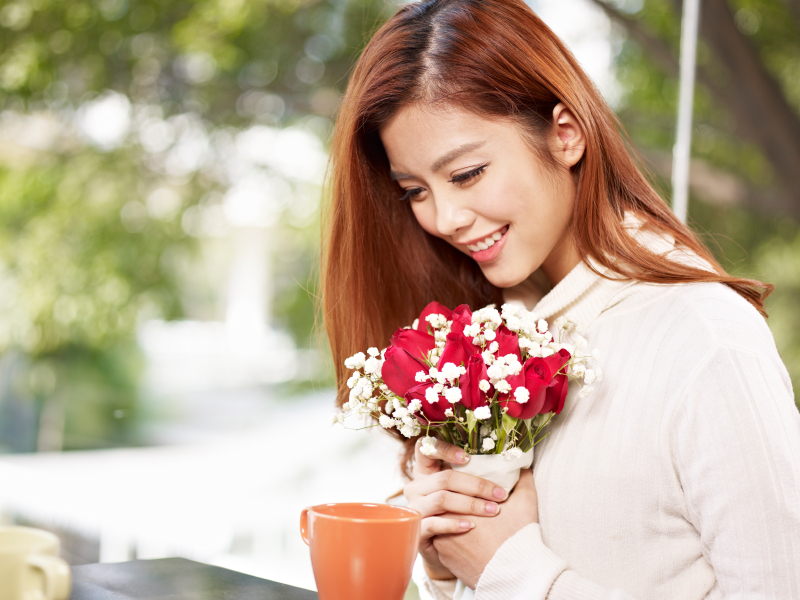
pixel 679 476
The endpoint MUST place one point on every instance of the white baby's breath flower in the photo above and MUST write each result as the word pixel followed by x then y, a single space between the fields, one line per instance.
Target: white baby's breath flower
pixel 494 347
pixel 410 429
pixel 495 371
pixel 598 374
pixel 386 421
pixel 482 412
pixel 356 361
pixel 438 388
pixel 489 335
pixel 488 357
pixel 488 444
pixel 415 324
pixel 414 406
pixel 434 359
pixel 546 351
pixel 431 396
pixel 512 454
pixel 448 412
pixel 373 352
pixel 585 391
pixel 483 385
pixel 589 377
pixel 450 371
pixel 389 408
pixel 352 381
pixel 337 418
pixel 502 386
pixel 400 412
pixel 372 365
pixel 493 435
pixel 560 322
pixel 509 310
pixel 484 430
pixel 541 325
pixel 522 395
pixel 421 377
pixel 452 395
pixel 428 446
pixel 578 370
pixel 514 323
pixel 472 330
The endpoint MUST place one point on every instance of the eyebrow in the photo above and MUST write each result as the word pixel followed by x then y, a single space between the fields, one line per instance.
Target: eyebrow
pixel 443 160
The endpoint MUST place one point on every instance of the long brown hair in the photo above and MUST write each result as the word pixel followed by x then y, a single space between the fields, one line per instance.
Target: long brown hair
pixel 494 58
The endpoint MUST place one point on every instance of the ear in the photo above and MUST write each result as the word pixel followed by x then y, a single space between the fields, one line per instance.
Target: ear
pixel 568 141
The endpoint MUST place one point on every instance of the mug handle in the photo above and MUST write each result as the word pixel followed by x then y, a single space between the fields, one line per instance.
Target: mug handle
pixel 304 526
pixel 57 577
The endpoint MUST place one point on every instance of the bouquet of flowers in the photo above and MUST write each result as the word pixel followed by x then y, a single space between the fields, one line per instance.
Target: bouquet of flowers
pixel 487 381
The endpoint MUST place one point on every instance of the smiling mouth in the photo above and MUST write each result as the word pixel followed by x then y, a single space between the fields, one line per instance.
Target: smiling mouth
pixel 488 242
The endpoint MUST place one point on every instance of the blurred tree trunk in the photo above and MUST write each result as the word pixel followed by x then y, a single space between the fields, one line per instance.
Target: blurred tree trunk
pixel 740 82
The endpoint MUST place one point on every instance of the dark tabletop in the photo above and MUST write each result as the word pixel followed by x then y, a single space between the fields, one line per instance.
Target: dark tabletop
pixel 175 579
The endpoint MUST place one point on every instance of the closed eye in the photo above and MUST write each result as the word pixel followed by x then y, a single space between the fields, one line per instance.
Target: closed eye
pixel 462 178
pixel 410 194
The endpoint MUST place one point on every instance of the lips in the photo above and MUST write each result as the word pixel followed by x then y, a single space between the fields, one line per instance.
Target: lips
pixel 485 251
pixel 488 242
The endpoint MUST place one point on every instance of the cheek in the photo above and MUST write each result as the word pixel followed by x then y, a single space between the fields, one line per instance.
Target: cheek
pixel 426 216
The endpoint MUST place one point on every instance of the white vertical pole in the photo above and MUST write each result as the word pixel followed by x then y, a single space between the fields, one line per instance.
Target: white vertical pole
pixel 683 140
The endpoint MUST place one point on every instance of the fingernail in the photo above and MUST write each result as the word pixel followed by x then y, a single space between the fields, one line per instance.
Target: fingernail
pixel 466 525
pixel 491 508
pixel 499 493
pixel 462 456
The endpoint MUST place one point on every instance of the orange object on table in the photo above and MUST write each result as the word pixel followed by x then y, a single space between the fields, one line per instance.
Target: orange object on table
pixel 361 551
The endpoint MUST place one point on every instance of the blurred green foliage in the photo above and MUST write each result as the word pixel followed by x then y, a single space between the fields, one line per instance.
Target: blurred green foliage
pixel 96 235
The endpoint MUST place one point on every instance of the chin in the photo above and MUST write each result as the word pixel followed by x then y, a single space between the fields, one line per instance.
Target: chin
pixel 504 279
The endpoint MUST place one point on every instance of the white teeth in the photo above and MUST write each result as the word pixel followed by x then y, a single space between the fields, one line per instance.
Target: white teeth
pixel 489 242
pixel 473 248
pixel 496 236
pixel 482 246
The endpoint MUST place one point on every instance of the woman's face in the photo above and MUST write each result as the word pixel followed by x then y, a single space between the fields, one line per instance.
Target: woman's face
pixel 476 183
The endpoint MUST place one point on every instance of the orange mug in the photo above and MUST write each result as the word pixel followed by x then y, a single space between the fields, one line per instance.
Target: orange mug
pixel 361 551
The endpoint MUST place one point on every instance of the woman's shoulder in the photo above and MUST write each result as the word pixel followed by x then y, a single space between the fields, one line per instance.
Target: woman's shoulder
pixel 708 314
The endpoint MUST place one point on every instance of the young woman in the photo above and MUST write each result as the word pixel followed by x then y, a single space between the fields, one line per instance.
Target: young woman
pixel 474 162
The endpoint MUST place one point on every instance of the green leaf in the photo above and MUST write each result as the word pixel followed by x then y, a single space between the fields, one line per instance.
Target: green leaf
pixel 471 421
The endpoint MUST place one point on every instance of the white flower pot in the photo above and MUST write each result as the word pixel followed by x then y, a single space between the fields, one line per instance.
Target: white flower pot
pixel 497 469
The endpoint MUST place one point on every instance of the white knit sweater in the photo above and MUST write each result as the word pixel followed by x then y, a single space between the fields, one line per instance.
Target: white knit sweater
pixel 679 476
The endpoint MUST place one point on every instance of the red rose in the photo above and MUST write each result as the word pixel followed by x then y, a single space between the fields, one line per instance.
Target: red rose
pixel 508 342
pixel 416 343
pixel 557 390
pixel 534 377
pixel 457 350
pixel 471 395
pixel 461 317
pixel 431 411
pixel 434 308
pixel 399 370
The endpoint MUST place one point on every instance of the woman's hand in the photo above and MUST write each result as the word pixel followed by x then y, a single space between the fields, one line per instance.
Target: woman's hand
pixel 467 555
pixel 436 489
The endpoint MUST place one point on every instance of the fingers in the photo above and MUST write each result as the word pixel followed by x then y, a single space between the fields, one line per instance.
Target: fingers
pixel 456 481
pixel 439 525
pixel 450 502
pixel 425 465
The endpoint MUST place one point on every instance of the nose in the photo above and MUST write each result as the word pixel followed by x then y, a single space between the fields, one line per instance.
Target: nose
pixel 451 215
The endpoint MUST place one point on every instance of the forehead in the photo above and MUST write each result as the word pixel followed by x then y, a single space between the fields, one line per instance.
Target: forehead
pixel 419 134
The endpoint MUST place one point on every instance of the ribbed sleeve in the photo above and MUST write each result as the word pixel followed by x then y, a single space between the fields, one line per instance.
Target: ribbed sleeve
pixel 502 578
